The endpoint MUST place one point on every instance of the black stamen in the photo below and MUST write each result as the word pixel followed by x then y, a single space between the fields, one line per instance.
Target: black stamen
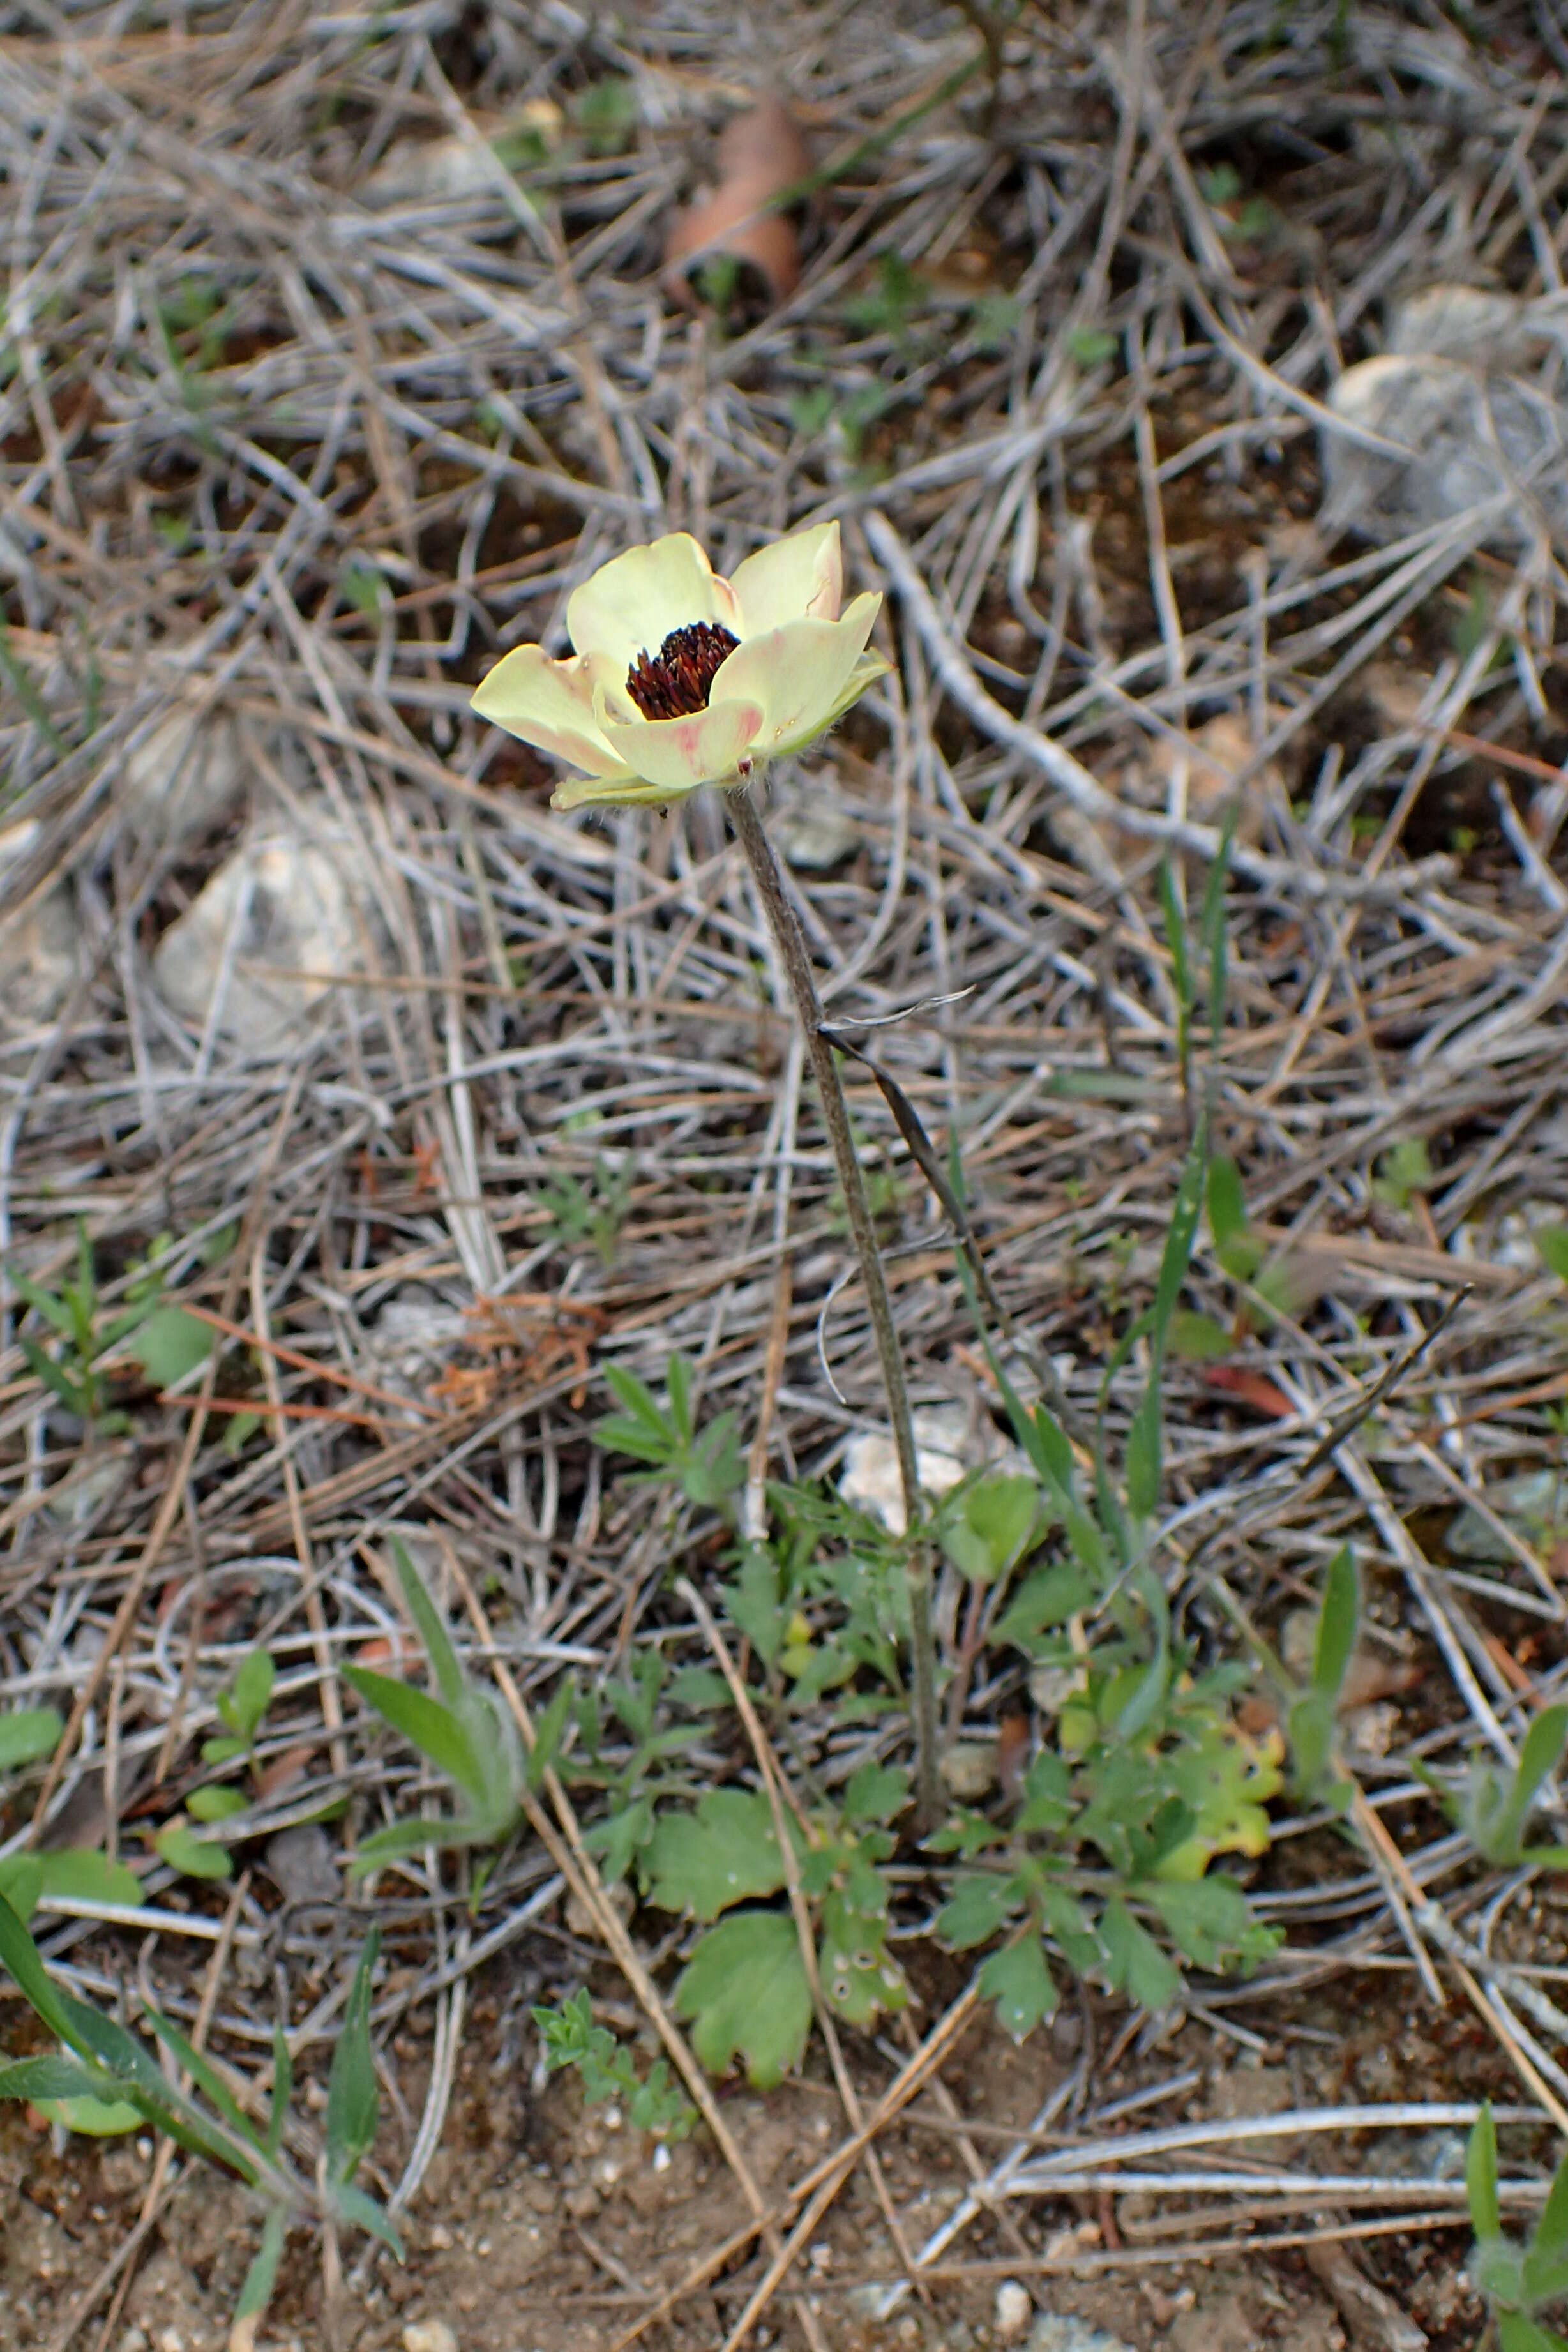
pixel 676 681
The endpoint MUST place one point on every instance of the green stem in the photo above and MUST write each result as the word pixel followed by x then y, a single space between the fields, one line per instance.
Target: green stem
pixel 751 835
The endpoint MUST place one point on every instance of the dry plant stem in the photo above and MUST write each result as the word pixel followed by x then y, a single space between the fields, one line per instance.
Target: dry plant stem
pixel 751 835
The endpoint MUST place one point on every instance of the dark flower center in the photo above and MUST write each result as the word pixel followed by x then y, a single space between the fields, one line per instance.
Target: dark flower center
pixel 674 682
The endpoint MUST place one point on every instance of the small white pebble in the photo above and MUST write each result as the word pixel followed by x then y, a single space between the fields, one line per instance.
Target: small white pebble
pixel 1015 2309
pixel 429 2336
pixel 662 2158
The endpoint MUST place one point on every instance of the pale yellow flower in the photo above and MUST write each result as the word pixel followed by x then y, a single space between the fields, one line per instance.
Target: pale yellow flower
pixel 681 678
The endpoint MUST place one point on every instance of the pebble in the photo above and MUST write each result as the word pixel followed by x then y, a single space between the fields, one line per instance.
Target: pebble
pixel 1062 2331
pixel 1014 2306
pixel 429 2336
pixel 949 1441
pixel 185 777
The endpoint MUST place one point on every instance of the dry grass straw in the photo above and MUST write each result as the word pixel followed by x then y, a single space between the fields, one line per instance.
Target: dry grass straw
pixel 295 438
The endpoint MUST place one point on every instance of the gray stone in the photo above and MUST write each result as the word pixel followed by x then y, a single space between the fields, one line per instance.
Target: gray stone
pixel 40 958
pixel 279 904
pixel 1463 440
pixel 187 776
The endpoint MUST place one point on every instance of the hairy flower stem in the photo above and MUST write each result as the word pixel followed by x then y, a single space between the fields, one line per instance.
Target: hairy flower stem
pixel 785 923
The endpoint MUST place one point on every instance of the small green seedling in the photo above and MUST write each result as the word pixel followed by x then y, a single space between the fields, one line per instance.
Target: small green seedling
pixel 1494 1807
pixel 653 2103
pixel 465 1734
pixel 242 1708
pixel 709 1468
pixel 1404 1169
pixel 1312 1712
pixel 1516 2282
pixel 165 1340
pixel 102 2071
pixel 591 1211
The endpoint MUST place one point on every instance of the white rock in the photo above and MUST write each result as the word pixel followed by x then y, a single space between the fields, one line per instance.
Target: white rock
pixel 284 904
pixel 429 2335
pixel 453 171
pixel 188 776
pixel 1063 2331
pixel 1468 440
pixel 1014 2305
pixel 40 959
pixel 815 839
pixel 949 1443
pixel 1462 322
pixel 968 1772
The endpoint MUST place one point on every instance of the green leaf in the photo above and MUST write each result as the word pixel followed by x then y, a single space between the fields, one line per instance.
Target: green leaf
pixel 52 2077
pixel 875 1792
pixel 449 1676
pixel 1210 1920
pixel 251 1696
pixel 1481 2175
pixel 354 2206
pixel 219 1804
pixel 353 2101
pixel 262 2276
pixel 27 1734
pixel 193 1856
pixel 82 1874
pixel 619 1837
pixel 984 1526
pixel 22 1883
pixel 549 1730
pixel 19 1957
pixel 1198 1339
pixel 427 1724
pixel 94 2117
pixel 1017 1979
pixel 1048 1805
pixel 1539 1757
pixel 55 1311
pixel 205 2076
pixel 727 1852
pixel 169 1345
pixel 1549 2239
pixel 1047 1597
pixel 698 1690
pixel 1551 1242
pixel 979 1905
pixel 860 1978
pixel 1142 1465
pixel 1134 1963
pixel 1517 2332
pixel 1227 1207
pixel 745 1990
pixel 222 1751
pixel 1310 1726
pixel 1337 1625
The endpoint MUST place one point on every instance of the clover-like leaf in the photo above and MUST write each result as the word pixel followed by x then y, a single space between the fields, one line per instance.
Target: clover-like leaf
pixel 727 1852
pixel 745 1990
pixel 860 1978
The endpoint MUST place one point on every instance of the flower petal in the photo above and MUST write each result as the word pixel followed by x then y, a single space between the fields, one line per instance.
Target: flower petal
pixel 797 579
pixel 677 754
pixel 632 603
pixel 622 790
pixel 548 704
pixel 798 673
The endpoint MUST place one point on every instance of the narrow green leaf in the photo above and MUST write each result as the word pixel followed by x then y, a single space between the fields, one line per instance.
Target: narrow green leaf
pixel 53 2077
pixel 549 1730
pixel 353 2102
pixel 678 1381
pixel 205 2074
pixel 1551 1241
pixel 55 1311
pixel 354 2206
pixel 428 1726
pixel 20 1958
pixel 1481 2176
pixel 1227 1206
pixel 70 1393
pixel 1337 1625
pixel 450 1679
pixel 252 1695
pixel 262 2276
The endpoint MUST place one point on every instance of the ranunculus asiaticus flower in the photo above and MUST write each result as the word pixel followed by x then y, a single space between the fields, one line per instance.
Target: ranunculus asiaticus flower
pixel 681 678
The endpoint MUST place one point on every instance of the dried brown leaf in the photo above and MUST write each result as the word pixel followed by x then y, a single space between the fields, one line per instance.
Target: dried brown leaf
pixel 762 155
